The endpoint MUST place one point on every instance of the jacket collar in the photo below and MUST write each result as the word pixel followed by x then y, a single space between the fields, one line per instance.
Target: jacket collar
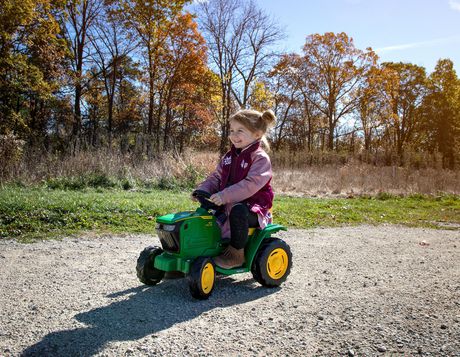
pixel 251 147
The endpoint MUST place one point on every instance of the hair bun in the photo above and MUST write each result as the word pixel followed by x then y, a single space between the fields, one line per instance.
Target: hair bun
pixel 269 117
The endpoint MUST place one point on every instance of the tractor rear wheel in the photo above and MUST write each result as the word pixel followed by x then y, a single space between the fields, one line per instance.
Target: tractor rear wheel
pixel 272 263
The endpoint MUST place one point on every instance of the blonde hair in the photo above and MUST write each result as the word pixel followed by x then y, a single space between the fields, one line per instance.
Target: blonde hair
pixel 256 121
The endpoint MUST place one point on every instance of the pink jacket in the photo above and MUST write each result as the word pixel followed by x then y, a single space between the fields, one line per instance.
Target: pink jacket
pixel 243 177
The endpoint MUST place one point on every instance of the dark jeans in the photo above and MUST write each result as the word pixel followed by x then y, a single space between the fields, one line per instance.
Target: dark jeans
pixel 240 221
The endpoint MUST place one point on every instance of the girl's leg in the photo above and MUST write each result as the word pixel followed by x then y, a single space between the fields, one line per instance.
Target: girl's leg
pixel 240 221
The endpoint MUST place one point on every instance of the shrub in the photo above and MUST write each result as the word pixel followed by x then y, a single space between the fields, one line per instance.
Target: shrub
pixel 11 150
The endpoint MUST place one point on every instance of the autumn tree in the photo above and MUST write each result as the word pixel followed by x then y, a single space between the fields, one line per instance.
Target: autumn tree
pixel 184 69
pixel 129 101
pixel 375 104
pixel 31 66
pixel 333 69
pixel 405 95
pixel 150 23
pixel 261 97
pixel 441 112
pixel 94 98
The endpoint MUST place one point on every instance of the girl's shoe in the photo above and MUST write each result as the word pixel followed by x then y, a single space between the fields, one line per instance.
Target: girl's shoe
pixel 230 258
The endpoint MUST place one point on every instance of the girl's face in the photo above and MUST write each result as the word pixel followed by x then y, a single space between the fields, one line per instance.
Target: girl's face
pixel 240 136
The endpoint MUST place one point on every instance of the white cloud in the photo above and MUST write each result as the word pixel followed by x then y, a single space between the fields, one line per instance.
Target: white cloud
pixel 430 43
pixel 454 5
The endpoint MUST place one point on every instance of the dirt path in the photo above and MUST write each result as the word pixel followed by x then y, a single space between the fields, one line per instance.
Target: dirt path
pixel 361 291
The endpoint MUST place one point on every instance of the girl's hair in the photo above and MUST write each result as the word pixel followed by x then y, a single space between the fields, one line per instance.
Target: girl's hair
pixel 256 121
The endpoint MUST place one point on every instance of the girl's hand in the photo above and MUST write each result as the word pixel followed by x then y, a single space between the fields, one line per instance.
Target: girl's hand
pixel 217 199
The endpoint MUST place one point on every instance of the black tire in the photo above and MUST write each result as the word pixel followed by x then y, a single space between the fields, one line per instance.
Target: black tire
pixel 202 278
pixel 146 271
pixel 272 263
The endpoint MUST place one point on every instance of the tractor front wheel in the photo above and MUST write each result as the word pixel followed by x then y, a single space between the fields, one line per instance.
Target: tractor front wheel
pixel 272 263
pixel 145 268
pixel 201 278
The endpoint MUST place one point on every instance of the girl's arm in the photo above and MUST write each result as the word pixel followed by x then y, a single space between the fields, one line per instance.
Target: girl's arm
pixel 212 182
pixel 258 176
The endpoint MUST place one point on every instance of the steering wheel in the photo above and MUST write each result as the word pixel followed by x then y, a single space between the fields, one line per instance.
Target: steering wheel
pixel 203 198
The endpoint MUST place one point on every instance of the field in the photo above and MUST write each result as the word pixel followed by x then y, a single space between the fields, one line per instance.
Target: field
pixel 103 192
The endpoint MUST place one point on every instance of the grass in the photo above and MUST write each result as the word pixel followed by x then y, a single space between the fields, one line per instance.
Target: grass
pixel 28 214
pixel 305 173
pixel 416 211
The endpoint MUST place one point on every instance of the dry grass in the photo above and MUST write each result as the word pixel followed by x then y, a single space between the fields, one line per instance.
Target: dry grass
pixel 294 176
pixel 362 179
pixel 38 168
pixel 338 179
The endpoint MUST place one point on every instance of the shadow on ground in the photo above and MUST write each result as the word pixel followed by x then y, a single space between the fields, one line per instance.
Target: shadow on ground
pixel 144 311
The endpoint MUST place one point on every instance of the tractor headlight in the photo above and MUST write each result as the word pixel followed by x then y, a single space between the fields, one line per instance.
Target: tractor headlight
pixel 168 227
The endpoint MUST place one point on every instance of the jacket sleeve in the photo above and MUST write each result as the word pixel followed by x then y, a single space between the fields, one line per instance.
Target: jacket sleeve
pixel 258 176
pixel 212 182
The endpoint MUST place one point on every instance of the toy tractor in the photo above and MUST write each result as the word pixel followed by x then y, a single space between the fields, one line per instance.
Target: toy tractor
pixel 189 241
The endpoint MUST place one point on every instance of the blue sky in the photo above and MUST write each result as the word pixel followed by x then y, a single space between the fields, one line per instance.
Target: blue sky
pixel 415 31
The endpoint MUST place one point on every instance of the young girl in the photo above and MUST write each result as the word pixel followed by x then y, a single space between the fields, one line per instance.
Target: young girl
pixel 241 182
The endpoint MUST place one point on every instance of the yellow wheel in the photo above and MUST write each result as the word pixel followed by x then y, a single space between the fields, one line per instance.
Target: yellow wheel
pixel 277 263
pixel 201 278
pixel 272 263
pixel 207 278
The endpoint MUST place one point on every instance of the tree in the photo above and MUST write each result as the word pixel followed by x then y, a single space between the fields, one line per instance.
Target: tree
pixel 96 111
pixel 283 83
pixel 333 69
pixel 184 68
pixel 441 111
pixel 253 54
pixel 151 23
pixel 76 24
pixel 375 103
pixel 261 97
pixel 239 37
pixel 405 96
pixel 111 45
pixel 31 66
pixel 130 100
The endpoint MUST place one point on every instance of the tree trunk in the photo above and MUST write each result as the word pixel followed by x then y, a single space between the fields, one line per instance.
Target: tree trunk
pixel 77 115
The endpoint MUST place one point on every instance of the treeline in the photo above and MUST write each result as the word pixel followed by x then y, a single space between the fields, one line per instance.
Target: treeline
pixel 148 76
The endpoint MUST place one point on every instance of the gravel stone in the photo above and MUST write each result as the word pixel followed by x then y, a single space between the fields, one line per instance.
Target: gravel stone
pixel 81 297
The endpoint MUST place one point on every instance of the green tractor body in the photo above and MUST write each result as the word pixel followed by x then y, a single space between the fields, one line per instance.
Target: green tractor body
pixel 186 236
pixel 189 241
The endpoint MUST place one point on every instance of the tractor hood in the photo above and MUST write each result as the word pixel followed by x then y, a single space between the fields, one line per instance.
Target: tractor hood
pixel 173 218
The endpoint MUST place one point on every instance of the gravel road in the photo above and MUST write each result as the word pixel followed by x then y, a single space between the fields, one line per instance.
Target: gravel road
pixel 354 291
